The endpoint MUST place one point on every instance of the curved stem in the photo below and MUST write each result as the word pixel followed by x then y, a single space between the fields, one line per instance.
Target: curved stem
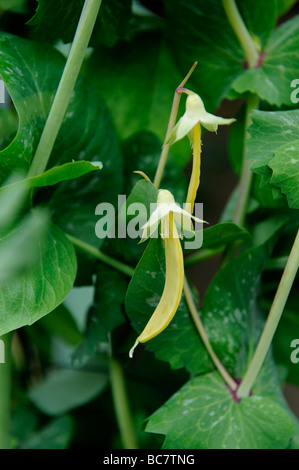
pixel 171 123
pixel 202 332
pixel 121 405
pixel 91 250
pixel 241 31
pixel 276 310
pixel 246 173
pixel 5 386
pixel 65 87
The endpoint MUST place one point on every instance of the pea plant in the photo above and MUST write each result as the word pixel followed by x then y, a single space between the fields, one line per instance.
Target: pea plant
pixel 107 109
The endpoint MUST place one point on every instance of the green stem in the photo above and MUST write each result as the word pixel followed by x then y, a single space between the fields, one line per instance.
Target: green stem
pixel 203 255
pixel 276 310
pixel 66 86
pixel 171 123
pixel 202 332
pixel 246 174
pixel 5 386
pixel 121 405
pixel 91 250
pixel 241 32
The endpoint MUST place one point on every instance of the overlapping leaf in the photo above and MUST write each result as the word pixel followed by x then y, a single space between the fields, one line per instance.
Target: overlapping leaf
pixel 43 286
pixel 273 147
pixel 58 19
pixel 204 415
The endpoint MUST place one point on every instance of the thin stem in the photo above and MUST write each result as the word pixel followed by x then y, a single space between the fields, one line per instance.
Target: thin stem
pixel 171 123
pixel 195 175
pixel 121 405
pixel 246 173
pixel 5 386
pixel 202 332
pixel 241 32
pixel 66 86
pixel 203 255
pixel 91 250
pixel 276 310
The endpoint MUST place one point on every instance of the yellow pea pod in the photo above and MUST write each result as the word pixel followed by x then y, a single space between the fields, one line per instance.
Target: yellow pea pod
pixel 173 287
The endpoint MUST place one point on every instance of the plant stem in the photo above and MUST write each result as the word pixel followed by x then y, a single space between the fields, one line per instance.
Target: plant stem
pixel 171 123
pixel 91 250
pixel 66 86
pixel 203 255
pixel 241 32
pixel 272 321
pixel 121 405
pixel 246 174
pixel 5 385
pixel 202 332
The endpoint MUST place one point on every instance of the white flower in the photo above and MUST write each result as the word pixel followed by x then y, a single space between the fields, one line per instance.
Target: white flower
pixel 165 205
pixel 195 112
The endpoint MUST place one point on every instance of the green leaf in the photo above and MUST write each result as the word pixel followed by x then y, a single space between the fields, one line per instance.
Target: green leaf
pixel 272 147
pixel 55 175
pixel 203 415
pixel 285 167
pixel 11 4
pixel 268 132
pixel 143 295
pixel 42 287
pixel 57 19
pixel 230 302
pixel 146 79
pixel 18 253
pixel 31 73
pixel 272 81
pixel 220 234
pixel 57 434
pixel 71 389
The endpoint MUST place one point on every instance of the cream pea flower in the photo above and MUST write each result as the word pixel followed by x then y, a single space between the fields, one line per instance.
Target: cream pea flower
pixel 166 204
pixel 195 113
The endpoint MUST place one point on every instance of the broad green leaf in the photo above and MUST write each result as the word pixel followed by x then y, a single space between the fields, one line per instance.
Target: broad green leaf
pixel 272 81
pixel 55 175
pixel 8 126
pixel 143 295
pixel 64 390
pixel 58 19
pixel 272 147
pixel 57 434
pixel 285 167
pixel 142 152
pixel 18 247
pixel 230 302
pixel 268 132
pixel 285 5
pixel 31 72
pixel 220 234
pixel 42 287
pixel 204 415
pixel 138 81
